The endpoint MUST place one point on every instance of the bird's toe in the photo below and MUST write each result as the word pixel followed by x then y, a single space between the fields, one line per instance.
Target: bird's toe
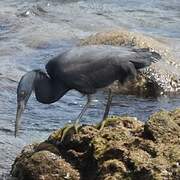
pixel 101 125
pixel 69 130
pixel 76 127
pixel 106 122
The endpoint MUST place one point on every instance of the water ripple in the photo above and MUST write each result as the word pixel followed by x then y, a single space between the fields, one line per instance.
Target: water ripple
pixel 51 27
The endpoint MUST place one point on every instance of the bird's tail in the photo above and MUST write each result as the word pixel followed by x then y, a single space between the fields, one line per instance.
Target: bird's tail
pixel 144 58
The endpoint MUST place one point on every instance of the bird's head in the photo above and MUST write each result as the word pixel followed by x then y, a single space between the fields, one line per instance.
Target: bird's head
pixel 24 90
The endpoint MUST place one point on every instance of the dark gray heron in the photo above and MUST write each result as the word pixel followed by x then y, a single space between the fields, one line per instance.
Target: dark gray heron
pixel 85 69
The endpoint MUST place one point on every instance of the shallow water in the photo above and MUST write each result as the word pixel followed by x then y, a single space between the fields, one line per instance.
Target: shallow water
pixel 31 32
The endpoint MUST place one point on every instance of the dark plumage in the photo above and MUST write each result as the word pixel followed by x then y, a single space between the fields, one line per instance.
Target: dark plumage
pixel 85 69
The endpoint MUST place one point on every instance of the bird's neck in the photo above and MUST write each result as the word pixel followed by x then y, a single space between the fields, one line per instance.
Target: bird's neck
pixel 48 90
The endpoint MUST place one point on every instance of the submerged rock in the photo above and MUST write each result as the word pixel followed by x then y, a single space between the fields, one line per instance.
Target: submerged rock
pixel 125 149
pixel 160 78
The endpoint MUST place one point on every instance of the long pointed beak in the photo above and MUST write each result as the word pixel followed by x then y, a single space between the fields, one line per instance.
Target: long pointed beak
pixel 20 109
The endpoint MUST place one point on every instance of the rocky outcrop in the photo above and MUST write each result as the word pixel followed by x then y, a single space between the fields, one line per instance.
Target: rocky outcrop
pixel 162 77
pixel 125 149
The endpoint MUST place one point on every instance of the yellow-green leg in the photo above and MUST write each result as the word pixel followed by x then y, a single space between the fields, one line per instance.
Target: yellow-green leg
pixel 76 125
pixel 106 112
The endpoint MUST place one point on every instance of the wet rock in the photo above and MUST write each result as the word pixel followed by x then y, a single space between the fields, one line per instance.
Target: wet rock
pixel 35 10
pixel 125 149
pixel 160 78
pixel 162 127
pixel 43 165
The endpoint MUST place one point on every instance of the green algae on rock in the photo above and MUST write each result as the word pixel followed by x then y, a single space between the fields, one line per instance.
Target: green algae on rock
pixel 43 165
pixel 125 149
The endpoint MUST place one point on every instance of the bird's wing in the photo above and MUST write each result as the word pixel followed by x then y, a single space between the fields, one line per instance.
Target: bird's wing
pixel 92 67
pixel 87 77
pixel 83 76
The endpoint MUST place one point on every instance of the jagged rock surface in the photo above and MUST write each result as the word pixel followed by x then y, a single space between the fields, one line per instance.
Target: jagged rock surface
pixel 125 149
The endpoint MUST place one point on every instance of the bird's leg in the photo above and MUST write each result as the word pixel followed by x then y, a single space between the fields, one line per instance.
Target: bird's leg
pixel 108 105
pixel 76 125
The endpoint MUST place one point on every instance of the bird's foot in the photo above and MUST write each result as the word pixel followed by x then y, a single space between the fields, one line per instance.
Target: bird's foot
pixel 77 125
pixel 69 130
pixel 106 122
pixel 101 125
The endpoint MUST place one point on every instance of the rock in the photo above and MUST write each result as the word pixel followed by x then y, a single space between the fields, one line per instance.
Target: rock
pixel 125 149
pixel 162 77
pixel 43 165
pixel 162 127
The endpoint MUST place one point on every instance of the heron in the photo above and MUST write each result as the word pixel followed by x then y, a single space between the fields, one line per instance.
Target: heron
pixel 85 69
